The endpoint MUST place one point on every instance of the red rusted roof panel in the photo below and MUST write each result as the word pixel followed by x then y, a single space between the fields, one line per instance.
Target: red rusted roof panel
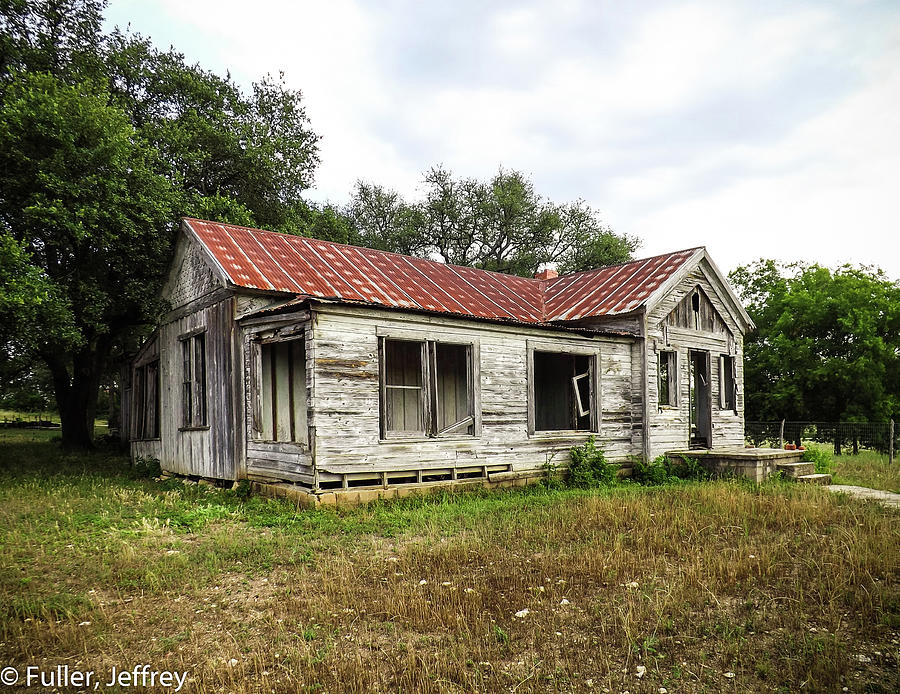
pixel 611 290
pixel 267 260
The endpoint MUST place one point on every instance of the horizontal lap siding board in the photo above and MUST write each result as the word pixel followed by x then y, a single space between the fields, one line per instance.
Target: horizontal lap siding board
pixel 346 403
pixel 204 452
pixel 279 461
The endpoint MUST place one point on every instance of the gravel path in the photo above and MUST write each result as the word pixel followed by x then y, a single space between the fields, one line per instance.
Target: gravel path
pixel 886 498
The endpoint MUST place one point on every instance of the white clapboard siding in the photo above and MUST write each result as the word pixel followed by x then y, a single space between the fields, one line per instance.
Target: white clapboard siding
pixel 670 426
pixel 346 413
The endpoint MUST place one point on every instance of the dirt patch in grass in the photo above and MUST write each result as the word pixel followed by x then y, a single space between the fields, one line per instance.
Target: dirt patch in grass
pixel 698 587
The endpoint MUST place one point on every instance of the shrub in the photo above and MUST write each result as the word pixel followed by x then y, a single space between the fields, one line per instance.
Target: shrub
pixel 654 472
pixel 243 490
pixel 662 470
pixel 688 469
pixel 147 467
pixel 589 467
pixel 821 457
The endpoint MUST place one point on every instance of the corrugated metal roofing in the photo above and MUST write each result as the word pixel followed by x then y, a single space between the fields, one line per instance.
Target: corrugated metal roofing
pixel 270 261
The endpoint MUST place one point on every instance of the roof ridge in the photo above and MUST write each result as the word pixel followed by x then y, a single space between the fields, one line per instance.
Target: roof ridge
pixel 366 248
pixel 252 258
pixel 626 262
pixel 418 257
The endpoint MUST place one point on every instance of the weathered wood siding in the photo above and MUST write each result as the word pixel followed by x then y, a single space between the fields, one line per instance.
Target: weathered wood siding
pixel 192 277
pixel 719 334
pixel 345 407
pixel 206 451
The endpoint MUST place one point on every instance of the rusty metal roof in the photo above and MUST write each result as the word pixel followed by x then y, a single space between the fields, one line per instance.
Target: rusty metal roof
pixel 270 261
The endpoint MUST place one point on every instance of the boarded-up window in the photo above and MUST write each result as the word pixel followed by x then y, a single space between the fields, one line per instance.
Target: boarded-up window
pixel 563 391
pixel 426 388
pixel 282 392
pixel 193 382
pixel 668 378
pixel 727 383
pixel 146 399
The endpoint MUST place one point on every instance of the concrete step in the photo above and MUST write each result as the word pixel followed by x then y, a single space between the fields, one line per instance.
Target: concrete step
pixel 794 470
pixel 815 478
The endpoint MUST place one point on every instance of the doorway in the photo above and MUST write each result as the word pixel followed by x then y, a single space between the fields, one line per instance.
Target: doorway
pixel 700 401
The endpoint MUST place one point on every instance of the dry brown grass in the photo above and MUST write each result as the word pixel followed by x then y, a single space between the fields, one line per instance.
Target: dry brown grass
pixel 789 588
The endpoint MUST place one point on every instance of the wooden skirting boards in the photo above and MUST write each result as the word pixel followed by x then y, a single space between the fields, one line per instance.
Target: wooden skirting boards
pixel 358 496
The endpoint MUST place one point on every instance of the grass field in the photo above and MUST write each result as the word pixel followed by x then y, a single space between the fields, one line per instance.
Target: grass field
pixel 868 469
pixel 38 435
pixel 703 587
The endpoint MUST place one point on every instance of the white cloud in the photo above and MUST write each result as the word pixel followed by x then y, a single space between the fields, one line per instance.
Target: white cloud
pixel 754 129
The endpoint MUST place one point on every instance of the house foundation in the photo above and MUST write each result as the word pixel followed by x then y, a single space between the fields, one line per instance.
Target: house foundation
pixel 753 463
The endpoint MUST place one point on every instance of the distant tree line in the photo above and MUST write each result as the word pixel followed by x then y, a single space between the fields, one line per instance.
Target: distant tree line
pixel 106 140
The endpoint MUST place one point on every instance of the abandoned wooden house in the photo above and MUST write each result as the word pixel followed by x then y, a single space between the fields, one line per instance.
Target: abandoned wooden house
pixel 337 369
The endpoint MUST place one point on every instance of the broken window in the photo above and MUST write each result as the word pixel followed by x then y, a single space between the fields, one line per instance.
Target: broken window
pixel 281 414
pixel 427 388
pixel 563 391
pixel 146 399
pixel 668 379
pixel 727 382
pixel 193 384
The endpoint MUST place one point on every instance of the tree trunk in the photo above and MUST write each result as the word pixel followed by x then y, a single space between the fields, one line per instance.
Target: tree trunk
pixel 76 392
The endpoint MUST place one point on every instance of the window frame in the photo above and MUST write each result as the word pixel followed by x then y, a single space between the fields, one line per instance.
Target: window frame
pixel 194 390
pixel 257 344
pixel 429 408
pixel 728 362
pixel 142 428
pixel 672 377
pixel 594 355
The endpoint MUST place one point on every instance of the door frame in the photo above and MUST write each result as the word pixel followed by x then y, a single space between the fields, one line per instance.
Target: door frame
pixel 696 415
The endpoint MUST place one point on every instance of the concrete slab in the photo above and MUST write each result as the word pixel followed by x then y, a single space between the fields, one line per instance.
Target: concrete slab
pixel 754 463
pixel 885 498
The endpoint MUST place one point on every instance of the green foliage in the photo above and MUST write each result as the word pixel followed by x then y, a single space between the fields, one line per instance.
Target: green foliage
pixel 588 467
pixel 652 472
pixel 821 457
pixel 147 466
pixel 663 470
pixel 501 224
pixel 243 490
pixel 247 156
pixel 688 469
pixel 104 141
pixel 501 635
pixel 827 344
pixel 83 195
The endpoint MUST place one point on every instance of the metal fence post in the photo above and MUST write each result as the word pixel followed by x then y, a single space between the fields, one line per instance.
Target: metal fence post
pixel 891 444
pixel 781 435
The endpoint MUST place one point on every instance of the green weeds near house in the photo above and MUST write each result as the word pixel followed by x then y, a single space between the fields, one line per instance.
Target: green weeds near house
pixel 588 467
pixel 821 457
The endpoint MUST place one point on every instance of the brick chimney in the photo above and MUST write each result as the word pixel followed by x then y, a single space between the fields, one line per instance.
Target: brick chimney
pixel 548 273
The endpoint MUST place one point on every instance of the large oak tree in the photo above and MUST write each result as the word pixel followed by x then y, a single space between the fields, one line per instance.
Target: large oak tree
pixel 105 142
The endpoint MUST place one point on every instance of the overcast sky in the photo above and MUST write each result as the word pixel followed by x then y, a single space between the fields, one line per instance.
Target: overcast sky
pixel 757 129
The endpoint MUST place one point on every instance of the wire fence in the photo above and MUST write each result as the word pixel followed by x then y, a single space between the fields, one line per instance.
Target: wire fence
pixel 845 437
